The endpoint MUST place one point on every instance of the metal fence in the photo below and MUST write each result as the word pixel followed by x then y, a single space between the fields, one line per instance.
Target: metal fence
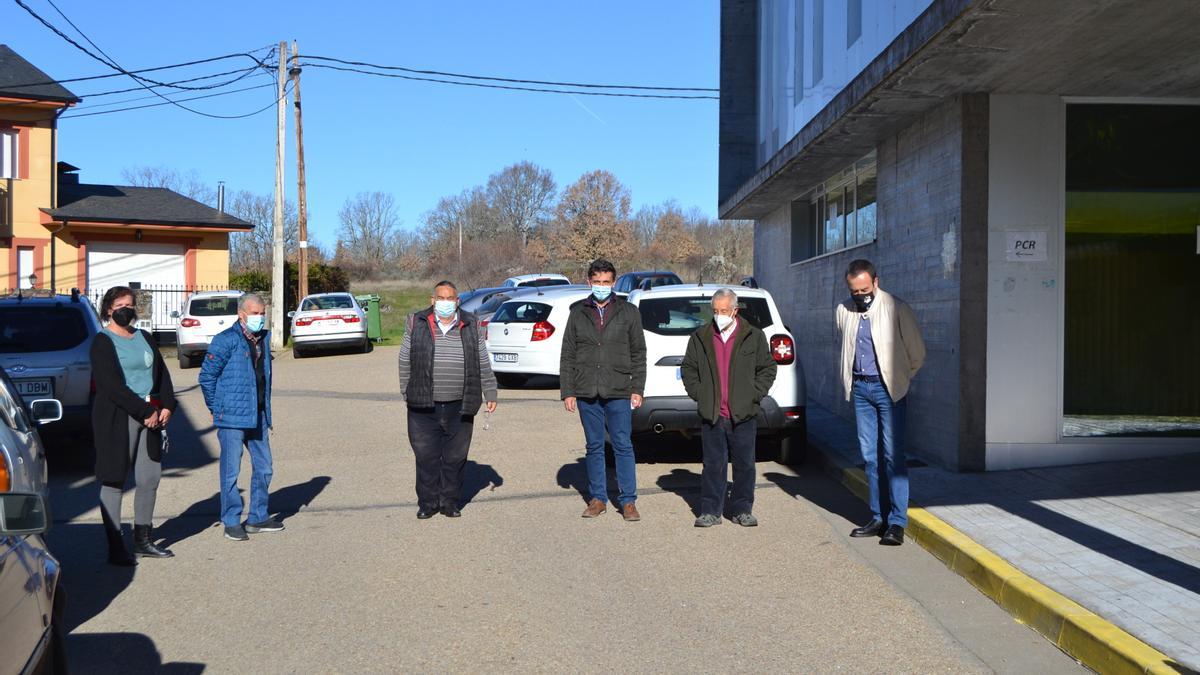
pixel 158 307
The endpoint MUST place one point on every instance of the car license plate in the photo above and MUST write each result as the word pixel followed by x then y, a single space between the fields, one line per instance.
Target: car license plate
pixel 34 388
pixel 504 358
pixel 326 322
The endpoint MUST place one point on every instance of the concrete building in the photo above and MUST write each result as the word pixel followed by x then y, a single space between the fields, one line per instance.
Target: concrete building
pixel 1026 174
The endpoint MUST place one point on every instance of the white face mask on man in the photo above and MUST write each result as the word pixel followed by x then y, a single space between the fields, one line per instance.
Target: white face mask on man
pixel 724 321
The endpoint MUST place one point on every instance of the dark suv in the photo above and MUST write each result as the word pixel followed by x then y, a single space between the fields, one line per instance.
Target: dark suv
pixel 45 342
pixel 631 281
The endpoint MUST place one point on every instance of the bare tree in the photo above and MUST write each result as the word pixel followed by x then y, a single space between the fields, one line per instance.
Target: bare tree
pixel 252 250
pixel 520 196
pixel 368 221
pixel 188 184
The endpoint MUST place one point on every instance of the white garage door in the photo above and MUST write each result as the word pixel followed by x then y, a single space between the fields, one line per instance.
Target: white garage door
pixel 151 266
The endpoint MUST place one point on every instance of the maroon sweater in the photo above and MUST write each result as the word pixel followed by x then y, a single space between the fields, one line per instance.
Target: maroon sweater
pixel 724 353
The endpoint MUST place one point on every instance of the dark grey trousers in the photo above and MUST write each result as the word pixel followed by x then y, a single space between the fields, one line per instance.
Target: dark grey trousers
pixel 146 474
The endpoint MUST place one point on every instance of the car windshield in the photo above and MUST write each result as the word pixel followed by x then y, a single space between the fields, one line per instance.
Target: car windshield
pixel 41 328
pixel 222 306
pixel 538 283
pixel 682 316
pixel 519 311
pixel 327 302
pixel 656 280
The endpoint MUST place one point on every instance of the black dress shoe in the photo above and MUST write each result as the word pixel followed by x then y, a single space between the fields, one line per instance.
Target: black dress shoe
pixel 869 530
pixel 424 513
pixel 893 537
pixel 451 512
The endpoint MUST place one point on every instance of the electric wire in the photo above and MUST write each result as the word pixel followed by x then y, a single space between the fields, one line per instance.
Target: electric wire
pixel 508 87
pixel 273 103
pixel 112 63
pixel 502 79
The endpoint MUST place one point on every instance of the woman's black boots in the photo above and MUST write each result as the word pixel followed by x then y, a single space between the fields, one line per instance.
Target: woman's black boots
pixel 117 553
pixel 143 545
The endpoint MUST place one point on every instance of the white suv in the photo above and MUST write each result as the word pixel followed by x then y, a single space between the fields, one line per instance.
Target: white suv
pixel 207 313
pixel 670 314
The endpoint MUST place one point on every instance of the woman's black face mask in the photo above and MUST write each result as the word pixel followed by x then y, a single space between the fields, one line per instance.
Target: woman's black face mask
pixel 124 316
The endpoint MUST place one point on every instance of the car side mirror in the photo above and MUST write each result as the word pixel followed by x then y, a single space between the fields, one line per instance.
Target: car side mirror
pixel 45 411
pixel 22 514
pixel 291 315
pixel 175 314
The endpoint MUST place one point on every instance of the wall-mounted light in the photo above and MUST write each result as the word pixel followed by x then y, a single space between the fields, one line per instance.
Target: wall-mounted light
pixel 137 235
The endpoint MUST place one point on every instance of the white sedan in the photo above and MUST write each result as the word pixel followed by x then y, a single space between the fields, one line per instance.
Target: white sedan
pixel 328 321
pixel 524 336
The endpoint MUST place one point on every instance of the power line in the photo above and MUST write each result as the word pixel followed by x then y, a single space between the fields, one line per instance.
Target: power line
pixel 247 72
pixel 123 101
pixel 42 83
pixel 193 98
pixel 106 60
pixel 503 79
pixel 511 88
pixel 112 63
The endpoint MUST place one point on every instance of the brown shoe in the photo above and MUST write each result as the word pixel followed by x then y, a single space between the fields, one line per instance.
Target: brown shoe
pixel 594 508
pixel 630 513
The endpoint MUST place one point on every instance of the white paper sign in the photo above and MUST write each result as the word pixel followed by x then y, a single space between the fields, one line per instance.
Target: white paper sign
pixel 1026 246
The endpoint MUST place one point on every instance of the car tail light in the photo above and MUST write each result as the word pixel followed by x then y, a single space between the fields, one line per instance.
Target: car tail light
pixel 542 330
pixel 5 479
pixel 483 328
pixel 305 320
pixel 189 323
pixel 350 318
pixel 783 350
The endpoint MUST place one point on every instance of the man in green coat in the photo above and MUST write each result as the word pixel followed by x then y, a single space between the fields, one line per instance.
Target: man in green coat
pixel 727 370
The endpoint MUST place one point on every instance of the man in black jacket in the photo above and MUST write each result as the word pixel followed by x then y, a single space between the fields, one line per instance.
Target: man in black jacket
pixel 445 376
pixel 603 374
pixel 727 370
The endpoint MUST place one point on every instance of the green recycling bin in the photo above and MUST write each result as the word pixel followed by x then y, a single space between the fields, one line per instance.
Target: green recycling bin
pixel 370 304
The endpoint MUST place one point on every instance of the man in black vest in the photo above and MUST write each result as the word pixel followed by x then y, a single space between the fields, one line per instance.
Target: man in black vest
pixel 445 376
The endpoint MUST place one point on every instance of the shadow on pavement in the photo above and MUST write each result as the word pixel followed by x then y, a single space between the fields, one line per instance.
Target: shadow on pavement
pixel 826 494
pixel 90 582
pixel 685 484
pixel 476 477
pixel 574 476
pixel 284 503
pixel 287 502
pixel 121 653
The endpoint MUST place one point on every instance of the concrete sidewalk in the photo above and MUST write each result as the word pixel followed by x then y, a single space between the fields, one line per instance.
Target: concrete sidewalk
pixel 1122 539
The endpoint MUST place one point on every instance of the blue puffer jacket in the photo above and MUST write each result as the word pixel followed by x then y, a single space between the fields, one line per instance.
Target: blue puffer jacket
pixel 227 380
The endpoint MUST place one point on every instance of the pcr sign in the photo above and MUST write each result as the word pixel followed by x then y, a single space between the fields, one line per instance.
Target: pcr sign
pixel 1026 246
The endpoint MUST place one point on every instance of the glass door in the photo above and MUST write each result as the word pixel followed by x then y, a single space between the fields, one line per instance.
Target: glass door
pixel 1132 321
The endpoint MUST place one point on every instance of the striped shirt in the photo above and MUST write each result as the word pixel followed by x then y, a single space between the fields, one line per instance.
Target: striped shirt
pixel 449 365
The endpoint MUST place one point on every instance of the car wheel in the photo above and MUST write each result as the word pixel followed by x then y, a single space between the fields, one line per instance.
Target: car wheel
pixel 297 353
pixel 365 348
pixel 510 380
pixel 186 361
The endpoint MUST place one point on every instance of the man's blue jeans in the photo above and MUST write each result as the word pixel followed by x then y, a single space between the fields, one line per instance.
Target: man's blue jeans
pixel 617 415
pixel 256 441
pixel 881 440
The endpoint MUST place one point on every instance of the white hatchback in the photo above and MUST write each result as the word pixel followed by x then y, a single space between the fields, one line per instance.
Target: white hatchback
pixel 670 314
pixel 326 321
pixel 207 313
pixel 524 336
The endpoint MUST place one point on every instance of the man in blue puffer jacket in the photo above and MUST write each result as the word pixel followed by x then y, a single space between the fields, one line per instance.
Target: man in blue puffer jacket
pixel 236 381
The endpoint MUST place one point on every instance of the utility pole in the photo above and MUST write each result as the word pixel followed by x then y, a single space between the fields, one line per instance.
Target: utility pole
pixel 277 276
pixel 302 188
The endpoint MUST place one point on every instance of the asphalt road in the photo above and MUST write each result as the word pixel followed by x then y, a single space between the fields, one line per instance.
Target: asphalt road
pixel 357 584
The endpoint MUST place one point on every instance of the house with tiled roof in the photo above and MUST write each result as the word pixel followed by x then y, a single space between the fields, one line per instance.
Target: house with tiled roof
pixel 58 232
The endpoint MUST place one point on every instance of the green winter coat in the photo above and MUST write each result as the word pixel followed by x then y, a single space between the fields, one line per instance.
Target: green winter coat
pixel 751 372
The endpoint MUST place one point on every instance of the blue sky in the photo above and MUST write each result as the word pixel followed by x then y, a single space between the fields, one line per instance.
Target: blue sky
pixel 419 141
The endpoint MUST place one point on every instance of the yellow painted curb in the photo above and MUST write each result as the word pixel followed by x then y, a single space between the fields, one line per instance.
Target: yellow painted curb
pixel 1085 635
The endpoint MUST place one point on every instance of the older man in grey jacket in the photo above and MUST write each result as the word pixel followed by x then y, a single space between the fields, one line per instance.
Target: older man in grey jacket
pixel 882 351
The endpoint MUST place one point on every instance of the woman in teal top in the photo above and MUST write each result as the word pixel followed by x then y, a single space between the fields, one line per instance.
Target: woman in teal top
pixel 134 401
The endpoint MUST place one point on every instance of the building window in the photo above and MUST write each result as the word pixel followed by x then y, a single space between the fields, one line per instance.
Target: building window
pixel 8 153
pixel 853 21
pixel 818 41
pixel 838 213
